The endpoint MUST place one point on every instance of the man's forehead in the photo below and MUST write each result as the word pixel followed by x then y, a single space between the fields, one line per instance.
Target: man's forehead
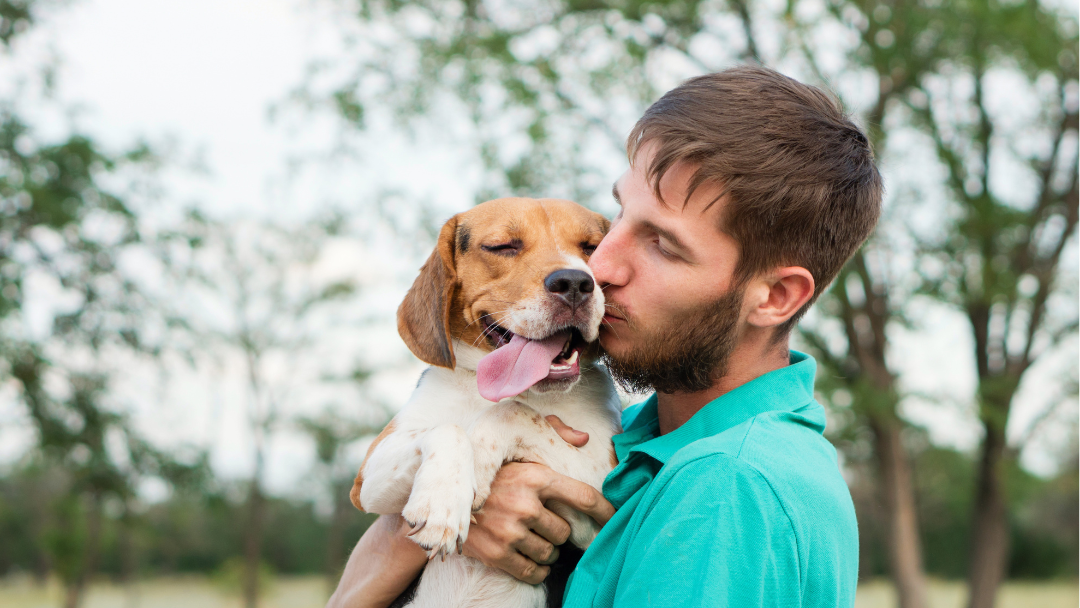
pixel 705 203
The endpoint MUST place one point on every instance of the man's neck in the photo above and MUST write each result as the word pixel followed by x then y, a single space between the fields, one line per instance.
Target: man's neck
pixel 749 360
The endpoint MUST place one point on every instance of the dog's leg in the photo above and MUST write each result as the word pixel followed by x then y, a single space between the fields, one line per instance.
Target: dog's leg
pixel 388 472
pixel 583 529
pixel 442 491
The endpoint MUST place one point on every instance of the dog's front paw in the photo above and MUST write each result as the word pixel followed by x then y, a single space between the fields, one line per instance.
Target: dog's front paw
pixel 440 517
pixel 583 529
pixel 480 497
pixel 584 532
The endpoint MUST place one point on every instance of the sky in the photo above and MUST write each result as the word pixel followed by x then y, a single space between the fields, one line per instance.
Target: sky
pixel 199 78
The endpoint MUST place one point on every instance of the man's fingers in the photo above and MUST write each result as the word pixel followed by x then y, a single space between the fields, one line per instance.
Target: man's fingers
pixel 496 555
pixel 550 526
pixel 537 549
pixel 580 496
pixel 526 570
pixel 574 437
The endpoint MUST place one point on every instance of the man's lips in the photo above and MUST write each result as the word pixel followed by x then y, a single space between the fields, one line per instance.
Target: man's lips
pixel 610 315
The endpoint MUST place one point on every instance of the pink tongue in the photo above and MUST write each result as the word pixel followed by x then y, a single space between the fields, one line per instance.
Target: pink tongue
pixel 512 368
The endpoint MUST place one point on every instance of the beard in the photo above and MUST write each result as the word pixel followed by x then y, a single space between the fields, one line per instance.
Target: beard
pixel 686 354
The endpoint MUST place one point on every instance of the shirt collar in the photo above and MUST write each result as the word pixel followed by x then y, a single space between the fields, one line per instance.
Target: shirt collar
pixel 786 389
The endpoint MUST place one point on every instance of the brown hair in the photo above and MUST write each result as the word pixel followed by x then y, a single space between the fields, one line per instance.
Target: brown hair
pixel 799 175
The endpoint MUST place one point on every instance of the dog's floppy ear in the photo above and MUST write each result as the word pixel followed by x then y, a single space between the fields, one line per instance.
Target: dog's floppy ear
pixel 424 315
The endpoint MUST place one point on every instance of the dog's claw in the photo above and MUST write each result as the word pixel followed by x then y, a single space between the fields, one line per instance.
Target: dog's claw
pixel 472 518
pixel 460 543
pixel 416 528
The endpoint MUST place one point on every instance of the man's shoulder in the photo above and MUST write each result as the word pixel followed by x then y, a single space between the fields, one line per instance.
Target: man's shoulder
pixel 780 450
pixel 777 439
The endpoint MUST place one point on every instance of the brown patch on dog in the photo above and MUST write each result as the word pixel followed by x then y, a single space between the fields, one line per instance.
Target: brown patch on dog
pixel 354 494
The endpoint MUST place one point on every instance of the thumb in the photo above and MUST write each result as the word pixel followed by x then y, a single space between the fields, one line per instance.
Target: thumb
pixel 573 437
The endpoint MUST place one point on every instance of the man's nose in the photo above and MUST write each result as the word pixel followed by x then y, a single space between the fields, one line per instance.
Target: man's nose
pixel 608 267
pixel 569 285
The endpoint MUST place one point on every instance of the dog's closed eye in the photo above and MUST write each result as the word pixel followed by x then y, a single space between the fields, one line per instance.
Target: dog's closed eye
pixel 508 249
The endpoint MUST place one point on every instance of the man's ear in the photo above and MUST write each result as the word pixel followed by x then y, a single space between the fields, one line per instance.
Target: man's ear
pixel 424 316
pixel 780 295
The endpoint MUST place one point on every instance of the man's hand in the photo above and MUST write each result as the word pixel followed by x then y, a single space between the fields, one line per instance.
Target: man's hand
pixel 515 532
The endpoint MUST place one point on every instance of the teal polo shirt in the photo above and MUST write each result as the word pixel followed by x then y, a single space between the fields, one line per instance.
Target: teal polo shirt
pixel 741 506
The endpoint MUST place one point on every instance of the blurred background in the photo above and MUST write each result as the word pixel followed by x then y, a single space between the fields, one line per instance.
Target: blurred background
pixel 210 209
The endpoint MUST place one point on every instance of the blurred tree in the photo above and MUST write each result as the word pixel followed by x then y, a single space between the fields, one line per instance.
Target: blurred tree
pixel 998 262
pixel 850 337
pixel 81 437
pixel 61 228
pixel 549 89
pixel 266 306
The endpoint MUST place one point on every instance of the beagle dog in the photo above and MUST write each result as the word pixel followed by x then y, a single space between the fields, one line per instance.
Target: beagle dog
pixel 506 312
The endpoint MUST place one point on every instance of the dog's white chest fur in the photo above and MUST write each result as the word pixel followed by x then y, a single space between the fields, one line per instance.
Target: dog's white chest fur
pixel 437 464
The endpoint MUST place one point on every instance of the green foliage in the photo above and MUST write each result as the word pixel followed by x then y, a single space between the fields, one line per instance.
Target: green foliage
pixel 190 532
pixel 16 16
pixel 1042 525
pixel 518 69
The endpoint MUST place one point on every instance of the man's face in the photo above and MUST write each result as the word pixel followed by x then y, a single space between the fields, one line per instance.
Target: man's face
pixel 673 312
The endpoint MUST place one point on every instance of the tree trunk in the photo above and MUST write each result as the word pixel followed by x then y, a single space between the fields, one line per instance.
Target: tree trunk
pixel 253 545
pixel 76 587
pixel 990 530
pixel 905 547
pixel 335 541
pixel 128 566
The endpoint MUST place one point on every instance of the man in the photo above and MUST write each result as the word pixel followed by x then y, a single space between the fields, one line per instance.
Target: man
pixel 747 191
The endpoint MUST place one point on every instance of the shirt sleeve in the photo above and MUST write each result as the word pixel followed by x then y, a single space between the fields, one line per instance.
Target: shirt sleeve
pixel 715 535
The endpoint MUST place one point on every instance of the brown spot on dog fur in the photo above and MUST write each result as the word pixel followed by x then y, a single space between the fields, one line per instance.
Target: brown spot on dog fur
pixel 354 494
pixel 551 441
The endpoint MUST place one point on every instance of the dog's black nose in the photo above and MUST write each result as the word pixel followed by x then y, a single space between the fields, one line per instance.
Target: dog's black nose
pixel 570 286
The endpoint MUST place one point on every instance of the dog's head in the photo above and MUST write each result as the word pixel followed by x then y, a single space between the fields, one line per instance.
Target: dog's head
pixel 505 268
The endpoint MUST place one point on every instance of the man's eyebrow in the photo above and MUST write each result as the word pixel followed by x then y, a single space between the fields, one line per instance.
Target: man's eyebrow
pixel 615 193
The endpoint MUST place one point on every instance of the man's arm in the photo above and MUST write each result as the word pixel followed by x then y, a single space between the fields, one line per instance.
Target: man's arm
pixel 380 567
pixel 513 532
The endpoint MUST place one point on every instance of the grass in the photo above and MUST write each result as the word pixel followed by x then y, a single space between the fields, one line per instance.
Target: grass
pixel 172 592
pixel 310 592
pixel 952 594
